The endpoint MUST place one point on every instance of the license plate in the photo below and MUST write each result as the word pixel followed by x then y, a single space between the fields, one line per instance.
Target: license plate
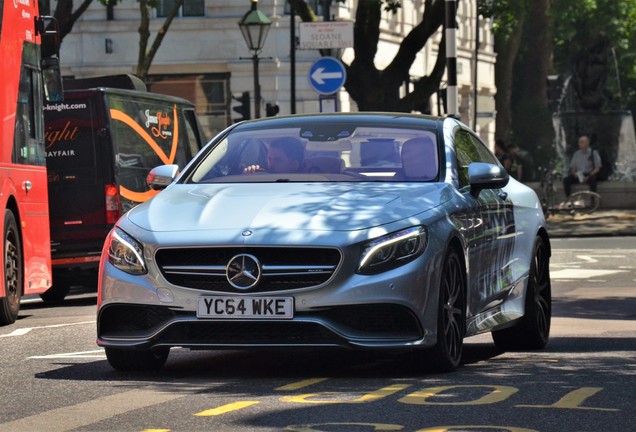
pixel 245 307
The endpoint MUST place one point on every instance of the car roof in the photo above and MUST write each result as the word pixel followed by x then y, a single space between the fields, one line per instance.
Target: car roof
pixel 377 119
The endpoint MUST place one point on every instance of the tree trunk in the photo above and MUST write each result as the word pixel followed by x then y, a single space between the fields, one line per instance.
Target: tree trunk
pixel 375 90
pixel 506 47
pixel 146 56
pixel 532 120
pixel 65 17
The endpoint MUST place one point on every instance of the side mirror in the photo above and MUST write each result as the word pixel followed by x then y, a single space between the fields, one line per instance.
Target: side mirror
pixel 162 176
pixel 53 90
pixel 483 175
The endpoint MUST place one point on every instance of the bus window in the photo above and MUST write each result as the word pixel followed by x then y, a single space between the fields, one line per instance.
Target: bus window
pixel 28 139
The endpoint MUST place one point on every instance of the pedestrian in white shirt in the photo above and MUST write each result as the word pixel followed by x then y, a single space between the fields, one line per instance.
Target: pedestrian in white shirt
pixel 584 166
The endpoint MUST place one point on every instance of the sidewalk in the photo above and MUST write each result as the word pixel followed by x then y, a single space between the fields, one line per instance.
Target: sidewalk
pixel 598 224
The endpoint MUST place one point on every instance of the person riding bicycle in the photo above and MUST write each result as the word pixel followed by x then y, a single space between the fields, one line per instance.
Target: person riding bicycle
pixel 584 166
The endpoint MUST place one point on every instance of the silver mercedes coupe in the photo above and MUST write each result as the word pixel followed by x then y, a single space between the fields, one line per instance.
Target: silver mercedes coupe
pixel 364 231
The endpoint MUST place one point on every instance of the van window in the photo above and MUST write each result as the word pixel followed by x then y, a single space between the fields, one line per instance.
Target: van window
pixel 146 134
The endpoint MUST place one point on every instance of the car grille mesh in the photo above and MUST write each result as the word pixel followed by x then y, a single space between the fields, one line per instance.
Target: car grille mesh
pixel 227 332
pixel 282 268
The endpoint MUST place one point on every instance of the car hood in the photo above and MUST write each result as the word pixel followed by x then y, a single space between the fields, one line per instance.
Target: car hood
pixel 293 206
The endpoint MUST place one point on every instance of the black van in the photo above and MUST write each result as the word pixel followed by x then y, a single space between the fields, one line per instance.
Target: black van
pixel 101 142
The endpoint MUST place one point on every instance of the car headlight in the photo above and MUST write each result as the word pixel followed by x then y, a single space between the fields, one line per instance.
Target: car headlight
pixel 392 250
pixel 126 253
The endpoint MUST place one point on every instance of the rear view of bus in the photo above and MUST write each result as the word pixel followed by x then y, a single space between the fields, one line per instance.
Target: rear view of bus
pixel 27 75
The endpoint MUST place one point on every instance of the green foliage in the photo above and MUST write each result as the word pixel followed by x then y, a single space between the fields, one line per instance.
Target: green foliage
pixel 533 133
pixel 579 25
pixel 505 14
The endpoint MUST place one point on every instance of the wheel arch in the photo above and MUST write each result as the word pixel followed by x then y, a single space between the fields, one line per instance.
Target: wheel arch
pixel 543 234
pixel 12 205
pixel 456 243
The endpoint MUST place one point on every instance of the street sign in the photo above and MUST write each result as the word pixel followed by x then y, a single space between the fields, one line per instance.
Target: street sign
pixel 327 75
pixel 325 35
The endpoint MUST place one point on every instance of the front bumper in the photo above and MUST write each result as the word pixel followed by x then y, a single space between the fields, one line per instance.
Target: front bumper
pixel 371 325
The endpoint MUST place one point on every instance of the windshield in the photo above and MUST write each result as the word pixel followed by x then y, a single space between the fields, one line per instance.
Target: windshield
pixel 321 152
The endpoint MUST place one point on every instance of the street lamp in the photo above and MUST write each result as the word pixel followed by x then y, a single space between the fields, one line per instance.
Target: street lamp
pixel 254 26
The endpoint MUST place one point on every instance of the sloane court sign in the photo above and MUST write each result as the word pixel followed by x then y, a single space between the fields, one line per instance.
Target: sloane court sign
pixel 326 35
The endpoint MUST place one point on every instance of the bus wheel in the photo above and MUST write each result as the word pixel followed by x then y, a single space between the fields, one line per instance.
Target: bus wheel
pixel 10 303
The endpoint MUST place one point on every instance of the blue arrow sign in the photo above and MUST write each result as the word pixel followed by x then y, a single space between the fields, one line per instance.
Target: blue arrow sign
pixel 327 75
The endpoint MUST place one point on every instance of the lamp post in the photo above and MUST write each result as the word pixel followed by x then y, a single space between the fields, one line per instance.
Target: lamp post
pixel 254 26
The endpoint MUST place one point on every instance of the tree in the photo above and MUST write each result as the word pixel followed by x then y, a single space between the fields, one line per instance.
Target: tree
pixel 64 15
pixel 508 19
pixel 374 89
pixel 66 18
pixel 522 30
pixel 147 55
pixel 532 119
pixel 580 26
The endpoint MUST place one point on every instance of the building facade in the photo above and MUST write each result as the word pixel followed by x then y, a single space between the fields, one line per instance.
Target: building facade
pixel 204 57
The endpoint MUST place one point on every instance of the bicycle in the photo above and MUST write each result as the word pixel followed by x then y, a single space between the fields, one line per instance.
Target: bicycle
pixel 581 202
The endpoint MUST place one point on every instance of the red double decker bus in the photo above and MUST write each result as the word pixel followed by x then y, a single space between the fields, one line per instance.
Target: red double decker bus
pixel 27 76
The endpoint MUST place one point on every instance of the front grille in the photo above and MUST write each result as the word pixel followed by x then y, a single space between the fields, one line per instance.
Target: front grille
pixel 249 333
pixel 282 268
pixel 133 320
pixel 373 320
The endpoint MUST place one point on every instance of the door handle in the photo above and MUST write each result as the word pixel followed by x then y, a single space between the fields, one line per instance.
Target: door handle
pixel 27 185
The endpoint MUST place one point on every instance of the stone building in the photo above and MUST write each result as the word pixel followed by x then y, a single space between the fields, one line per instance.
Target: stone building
pixel 204 57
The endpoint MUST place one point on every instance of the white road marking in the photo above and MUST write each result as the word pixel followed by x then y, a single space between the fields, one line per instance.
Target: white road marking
pixel 17 332
pixel 25 330
pixel 582 273
pixel 86 413
pixel 586 258
pixel 81 354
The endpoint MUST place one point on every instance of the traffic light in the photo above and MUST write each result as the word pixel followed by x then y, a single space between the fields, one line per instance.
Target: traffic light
pixel 271 109
pixel 243 108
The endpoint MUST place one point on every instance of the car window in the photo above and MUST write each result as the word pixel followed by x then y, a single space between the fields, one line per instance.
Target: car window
pixel 470 149
pixel 322 153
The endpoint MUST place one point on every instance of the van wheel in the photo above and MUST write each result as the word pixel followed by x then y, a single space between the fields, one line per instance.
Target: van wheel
pixel 56 293
pixel 13 272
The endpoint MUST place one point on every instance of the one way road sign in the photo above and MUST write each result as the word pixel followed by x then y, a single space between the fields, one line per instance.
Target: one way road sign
pixel 327 75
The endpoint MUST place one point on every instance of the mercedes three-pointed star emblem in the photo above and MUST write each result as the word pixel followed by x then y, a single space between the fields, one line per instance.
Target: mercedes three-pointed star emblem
pixel 243 271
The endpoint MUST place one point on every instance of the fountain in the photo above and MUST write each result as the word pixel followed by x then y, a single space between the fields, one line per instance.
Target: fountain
pixel 585 106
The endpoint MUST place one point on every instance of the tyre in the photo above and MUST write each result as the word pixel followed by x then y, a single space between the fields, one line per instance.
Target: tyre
pixel 583 202
pixel 532 331
pixel 446 355
pixel 137 360
pixel 13 270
